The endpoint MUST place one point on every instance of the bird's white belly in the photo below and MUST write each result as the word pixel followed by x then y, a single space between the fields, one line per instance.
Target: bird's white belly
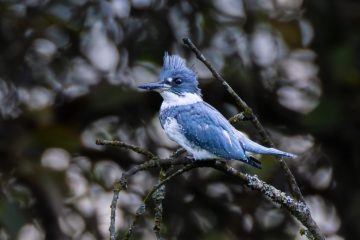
pixel 174 131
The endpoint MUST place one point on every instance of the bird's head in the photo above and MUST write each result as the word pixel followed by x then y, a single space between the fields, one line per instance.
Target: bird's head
pixel 175 78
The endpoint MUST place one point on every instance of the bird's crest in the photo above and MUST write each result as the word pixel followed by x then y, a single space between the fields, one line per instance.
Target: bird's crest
pixel 174 62
pixel 175 66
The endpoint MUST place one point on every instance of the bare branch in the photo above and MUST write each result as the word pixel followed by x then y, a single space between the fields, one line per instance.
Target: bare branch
pixel 133 148
pixel 296 208
pixel 122 184
pixel 139 212
pixel 158 194
pixel 158 197
pixel 167 179
pixel 241 103
pixel 116 190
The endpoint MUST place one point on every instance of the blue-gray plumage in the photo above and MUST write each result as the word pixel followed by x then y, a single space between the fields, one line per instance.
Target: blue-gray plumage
pixel 194 124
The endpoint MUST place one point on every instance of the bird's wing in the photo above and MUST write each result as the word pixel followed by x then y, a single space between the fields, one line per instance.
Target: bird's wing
pixel 206 128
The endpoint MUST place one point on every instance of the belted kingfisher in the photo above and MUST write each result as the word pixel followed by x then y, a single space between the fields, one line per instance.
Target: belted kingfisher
pixel 194 124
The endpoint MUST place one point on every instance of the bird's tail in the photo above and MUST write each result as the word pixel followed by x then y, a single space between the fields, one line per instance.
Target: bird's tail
pixel 254 147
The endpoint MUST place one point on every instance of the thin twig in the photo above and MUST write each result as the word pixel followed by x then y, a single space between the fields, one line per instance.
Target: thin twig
pixel 249 114
pixel 157 192
pixel 122 183
pixel 158 197
pixel 116 191
pixel 247 110
pixel 167 179
pixel 139 212
pixel 134 148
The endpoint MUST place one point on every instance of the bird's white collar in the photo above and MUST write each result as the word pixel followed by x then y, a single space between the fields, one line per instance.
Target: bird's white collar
pixel 173 100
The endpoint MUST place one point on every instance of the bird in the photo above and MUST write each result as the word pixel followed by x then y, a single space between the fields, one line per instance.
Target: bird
pixel 194 124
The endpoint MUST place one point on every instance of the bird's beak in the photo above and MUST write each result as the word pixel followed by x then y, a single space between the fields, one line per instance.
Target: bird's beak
pixel 154 86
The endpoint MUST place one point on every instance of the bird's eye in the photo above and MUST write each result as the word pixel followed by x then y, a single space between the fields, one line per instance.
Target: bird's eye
pixel 177 81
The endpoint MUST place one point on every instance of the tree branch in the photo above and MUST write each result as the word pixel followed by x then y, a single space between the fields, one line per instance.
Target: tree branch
pixel 139 212
pixel 122 183
pixel 158 197
pixel 158 194
pixel 296 208
pixel 116 190
pixel 117 143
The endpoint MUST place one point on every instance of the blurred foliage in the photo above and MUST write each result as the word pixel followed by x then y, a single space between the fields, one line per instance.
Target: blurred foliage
pixel 68 75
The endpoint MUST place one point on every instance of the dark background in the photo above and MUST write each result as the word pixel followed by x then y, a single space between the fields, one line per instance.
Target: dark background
pixel 68 75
